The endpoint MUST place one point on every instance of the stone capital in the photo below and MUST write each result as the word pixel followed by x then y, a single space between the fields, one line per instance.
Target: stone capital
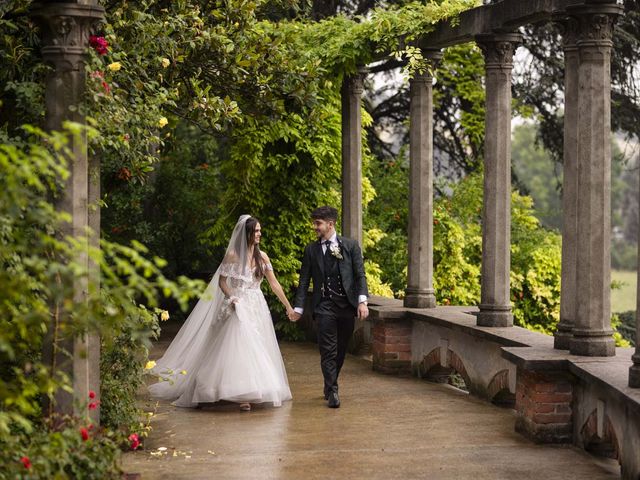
pixel 433 56
pixel 595 23
pixel 498 49
pixel 569 27
pixel 66 27
pixel 355 83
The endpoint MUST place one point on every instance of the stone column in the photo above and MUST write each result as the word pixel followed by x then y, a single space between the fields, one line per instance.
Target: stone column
pixel 568 293
pixel 352 88
pixel 419 292
pixel 495 304
pixel 634 370
pixel 592 334
pixel 65 29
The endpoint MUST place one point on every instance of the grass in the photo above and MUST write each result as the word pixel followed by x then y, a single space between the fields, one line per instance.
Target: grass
pixel 624 299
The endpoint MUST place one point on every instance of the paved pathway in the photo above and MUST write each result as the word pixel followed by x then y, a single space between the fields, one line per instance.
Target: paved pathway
pixel 387 428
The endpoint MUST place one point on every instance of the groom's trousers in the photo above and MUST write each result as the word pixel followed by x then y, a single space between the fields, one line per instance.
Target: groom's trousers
pixel 335 320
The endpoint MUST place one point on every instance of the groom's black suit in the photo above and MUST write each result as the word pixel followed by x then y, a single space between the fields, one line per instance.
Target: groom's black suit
pixel 337 285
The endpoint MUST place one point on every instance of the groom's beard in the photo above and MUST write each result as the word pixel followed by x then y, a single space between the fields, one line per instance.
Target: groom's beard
pixel 321 236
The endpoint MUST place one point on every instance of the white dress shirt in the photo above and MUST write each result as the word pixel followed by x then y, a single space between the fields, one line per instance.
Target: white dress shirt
pixel 334 242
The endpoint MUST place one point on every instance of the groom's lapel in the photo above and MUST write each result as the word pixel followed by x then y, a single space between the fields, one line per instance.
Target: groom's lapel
pixel 319 257
pixel 341 263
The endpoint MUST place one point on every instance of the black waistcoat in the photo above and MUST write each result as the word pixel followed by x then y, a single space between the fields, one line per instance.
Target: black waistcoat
pixel 333 290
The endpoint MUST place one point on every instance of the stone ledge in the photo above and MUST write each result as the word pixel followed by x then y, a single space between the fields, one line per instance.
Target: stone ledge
pixel 463 319
pixel 611 373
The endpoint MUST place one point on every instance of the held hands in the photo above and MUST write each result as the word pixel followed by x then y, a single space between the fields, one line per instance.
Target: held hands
pixel 293 315
pixel 363 311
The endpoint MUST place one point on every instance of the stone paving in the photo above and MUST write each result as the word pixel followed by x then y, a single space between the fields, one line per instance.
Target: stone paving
pixel 387 428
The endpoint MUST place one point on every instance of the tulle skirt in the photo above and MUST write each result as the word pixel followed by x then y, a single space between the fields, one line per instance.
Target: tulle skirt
pixel 240 362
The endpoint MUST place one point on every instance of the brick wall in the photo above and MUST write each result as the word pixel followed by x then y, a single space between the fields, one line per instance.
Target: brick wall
pixel 392 347
pixel 543 404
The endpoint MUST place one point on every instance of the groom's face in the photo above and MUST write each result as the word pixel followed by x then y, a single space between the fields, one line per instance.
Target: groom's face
pixel 323 228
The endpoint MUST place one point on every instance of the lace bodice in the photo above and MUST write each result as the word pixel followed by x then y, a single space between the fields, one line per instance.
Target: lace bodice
pixel 243 282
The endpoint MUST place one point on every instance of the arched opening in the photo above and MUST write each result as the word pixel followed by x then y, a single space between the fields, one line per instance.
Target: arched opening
pixel 452 373
pixel 499 391
pixel 600 441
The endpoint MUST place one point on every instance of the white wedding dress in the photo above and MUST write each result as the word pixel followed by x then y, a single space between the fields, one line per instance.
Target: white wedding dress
pixel 228 353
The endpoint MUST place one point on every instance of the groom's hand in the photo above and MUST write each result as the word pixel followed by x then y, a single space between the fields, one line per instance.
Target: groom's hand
pixel 294 316
pixel 363 311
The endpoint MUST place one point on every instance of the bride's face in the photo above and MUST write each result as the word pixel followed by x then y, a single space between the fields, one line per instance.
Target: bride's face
pixel 257 234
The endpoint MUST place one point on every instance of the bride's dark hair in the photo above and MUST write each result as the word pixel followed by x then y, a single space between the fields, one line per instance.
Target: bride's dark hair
pixel 250 229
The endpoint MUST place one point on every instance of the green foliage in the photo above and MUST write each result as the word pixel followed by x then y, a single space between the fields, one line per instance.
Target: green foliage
pixel 41 269
pixel 459 98
pixel 457 251
pixel 59 452
pixel 342 44
pixel 122 363
pixel 626 326
pixel 537 175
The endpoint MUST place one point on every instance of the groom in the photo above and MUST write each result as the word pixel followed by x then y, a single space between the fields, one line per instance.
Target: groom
pixel 339 294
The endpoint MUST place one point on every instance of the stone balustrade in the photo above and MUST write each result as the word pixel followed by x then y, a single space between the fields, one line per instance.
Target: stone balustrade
pixel 558 397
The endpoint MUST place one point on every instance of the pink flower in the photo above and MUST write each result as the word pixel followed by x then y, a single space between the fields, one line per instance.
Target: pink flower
pixel 134 441
pixel 99 44
pixel 84 433
pixel 26 462
pixel 92 394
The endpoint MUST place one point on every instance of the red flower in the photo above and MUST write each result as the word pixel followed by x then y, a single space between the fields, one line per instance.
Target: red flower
pixel 93 405
pixel 84 433
pixel 99 44
pixel 124 173
pixel 26 462
pixel 106 87
pixel 134 441
pixel 92 394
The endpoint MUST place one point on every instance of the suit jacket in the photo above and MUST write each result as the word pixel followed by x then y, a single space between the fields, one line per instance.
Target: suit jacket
pixel 351 270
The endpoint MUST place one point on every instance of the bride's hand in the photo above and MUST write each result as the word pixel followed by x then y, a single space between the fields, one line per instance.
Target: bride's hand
pixel 233 301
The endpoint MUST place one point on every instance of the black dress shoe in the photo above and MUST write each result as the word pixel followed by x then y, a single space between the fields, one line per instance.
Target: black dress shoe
pixel 334 400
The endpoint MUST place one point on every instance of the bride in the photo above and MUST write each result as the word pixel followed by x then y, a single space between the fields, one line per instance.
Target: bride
pixel 227 348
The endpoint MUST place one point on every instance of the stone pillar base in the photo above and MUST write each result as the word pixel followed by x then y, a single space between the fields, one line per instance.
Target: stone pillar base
pixel 543 406
pixel 593 345
pixel 392 348
pixel 634 372
pixel 419 299
pixel 495 316
pixel 562 338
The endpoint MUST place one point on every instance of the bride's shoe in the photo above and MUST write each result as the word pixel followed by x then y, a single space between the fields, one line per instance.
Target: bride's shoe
pixel 245 407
